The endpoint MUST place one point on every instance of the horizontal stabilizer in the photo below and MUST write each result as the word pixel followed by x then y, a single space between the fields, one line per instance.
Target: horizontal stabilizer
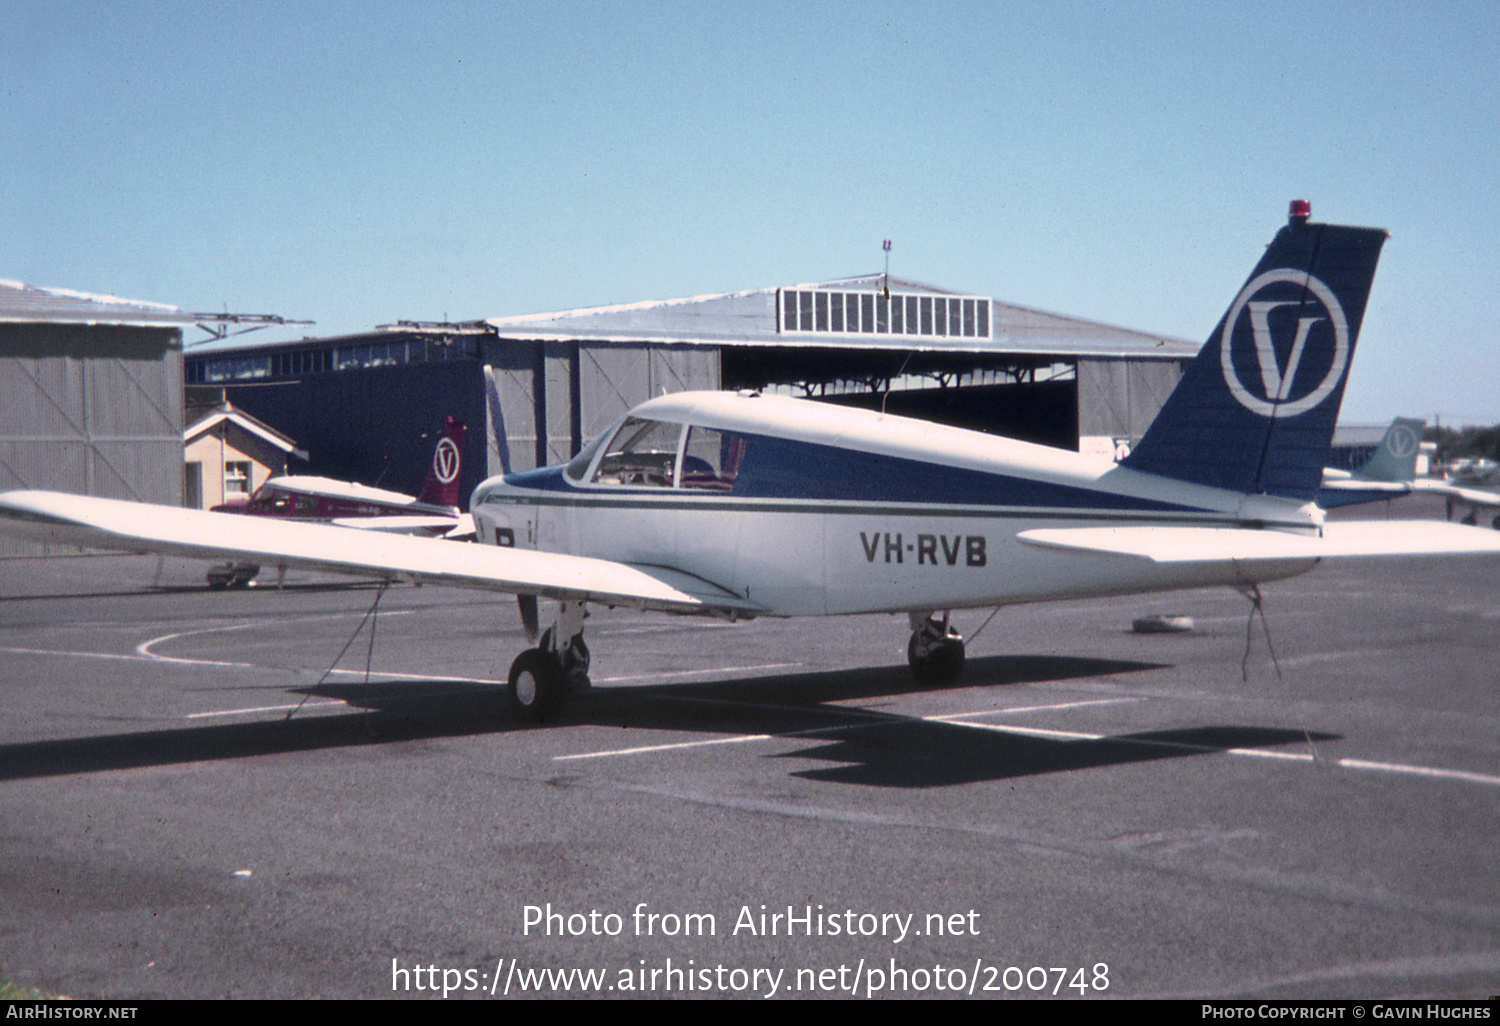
pixel 58 518
pixel 1348 539
pixel 1361 487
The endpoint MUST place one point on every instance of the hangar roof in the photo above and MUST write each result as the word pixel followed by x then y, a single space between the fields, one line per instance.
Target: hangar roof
pixel 211 419
pixel 814 315
pixel 28 303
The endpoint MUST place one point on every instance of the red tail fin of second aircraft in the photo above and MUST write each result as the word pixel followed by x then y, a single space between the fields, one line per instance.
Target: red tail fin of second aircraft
pixel 441 488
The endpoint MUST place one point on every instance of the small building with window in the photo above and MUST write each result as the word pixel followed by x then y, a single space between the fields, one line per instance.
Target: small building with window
pixel 228 454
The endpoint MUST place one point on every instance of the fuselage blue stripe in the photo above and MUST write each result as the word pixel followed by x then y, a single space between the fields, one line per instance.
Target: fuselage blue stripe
pixel 786 469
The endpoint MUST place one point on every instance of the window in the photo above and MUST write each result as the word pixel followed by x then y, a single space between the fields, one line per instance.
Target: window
pixel 642 454
pixel 236 477
pixel 820 311
pixel 579 465
pixel 301 361
pixel 237 368
pixel 269 501
pixel 711 459
pixel 645 454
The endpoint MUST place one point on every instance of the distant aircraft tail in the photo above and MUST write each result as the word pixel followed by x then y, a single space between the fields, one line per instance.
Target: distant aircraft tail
pixel 1396 458
pixel 1255 411
pixel 441 488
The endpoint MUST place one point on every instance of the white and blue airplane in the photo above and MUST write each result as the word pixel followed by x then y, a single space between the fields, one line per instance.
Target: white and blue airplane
pixel 1391 472
pixel 745 505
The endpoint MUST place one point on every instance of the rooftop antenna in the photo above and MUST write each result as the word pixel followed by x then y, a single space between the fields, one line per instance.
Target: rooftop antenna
pixel 885 244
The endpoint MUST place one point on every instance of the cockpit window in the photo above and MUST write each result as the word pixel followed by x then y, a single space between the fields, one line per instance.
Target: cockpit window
pixel 711 459
pixel 579 465
pixel 642 454
pixel 270 500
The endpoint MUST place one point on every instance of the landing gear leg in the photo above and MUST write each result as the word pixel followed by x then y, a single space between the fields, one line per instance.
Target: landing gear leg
pixel 936 650
pixel 542 678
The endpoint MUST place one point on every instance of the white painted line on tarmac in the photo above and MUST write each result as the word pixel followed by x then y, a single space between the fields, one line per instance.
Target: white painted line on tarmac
pixel 436 678
pixel 706 675
pixel 1424 771
pixel 75 655
pixel 738 739
pixel 964 720
pixel 828 730
pixel 1259 753
pixel 1032 708
pixel 261 709
pixel 144 648
pixel 1062 735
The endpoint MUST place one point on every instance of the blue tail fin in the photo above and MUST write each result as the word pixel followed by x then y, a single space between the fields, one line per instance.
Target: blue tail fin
pixel 1255 411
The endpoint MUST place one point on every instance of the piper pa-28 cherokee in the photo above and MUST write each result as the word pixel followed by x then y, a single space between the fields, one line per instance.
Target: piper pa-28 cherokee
pixel 742 505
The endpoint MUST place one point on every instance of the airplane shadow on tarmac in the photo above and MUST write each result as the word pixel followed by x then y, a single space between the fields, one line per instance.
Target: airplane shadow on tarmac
pixel 871 747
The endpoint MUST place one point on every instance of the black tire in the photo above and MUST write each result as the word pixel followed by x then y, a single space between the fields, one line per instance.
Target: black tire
pixel 536 686
pixel 942 665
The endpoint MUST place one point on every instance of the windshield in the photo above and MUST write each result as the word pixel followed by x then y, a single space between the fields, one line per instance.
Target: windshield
pixel 579 465
pixel 642 453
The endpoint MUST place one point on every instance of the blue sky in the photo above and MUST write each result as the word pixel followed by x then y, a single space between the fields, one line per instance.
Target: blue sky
pixel 360 163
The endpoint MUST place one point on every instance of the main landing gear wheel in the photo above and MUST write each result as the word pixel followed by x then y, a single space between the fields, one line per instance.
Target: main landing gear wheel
pixel 541 680
pixel 935 653
pixel 536 685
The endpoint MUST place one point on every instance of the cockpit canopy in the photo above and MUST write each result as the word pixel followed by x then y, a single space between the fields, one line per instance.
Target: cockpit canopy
pixel 644 453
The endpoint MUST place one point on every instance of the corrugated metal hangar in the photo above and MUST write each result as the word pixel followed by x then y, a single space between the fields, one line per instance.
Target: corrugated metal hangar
pixel 92 396
pixel 369 407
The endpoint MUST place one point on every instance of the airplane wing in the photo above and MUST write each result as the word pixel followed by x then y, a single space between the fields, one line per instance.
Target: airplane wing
pixel 139 527
pixel 1473 496
pixel 1346 539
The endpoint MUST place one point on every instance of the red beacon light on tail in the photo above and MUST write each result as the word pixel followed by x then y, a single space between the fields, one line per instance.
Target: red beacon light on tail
pixel 1300 212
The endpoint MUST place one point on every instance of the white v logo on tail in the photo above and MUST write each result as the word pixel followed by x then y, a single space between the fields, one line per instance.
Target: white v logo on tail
pixel 1258 415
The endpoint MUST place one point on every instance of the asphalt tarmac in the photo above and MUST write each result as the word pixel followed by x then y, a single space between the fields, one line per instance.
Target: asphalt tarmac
pixel 193 804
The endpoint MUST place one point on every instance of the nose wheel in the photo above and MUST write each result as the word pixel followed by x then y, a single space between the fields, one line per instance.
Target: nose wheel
pixel 936 651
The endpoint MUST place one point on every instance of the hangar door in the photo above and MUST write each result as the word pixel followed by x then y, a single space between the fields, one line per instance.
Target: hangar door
pixel 614 377
pixel 555 396
pixel 1120 397
pixel 91 409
